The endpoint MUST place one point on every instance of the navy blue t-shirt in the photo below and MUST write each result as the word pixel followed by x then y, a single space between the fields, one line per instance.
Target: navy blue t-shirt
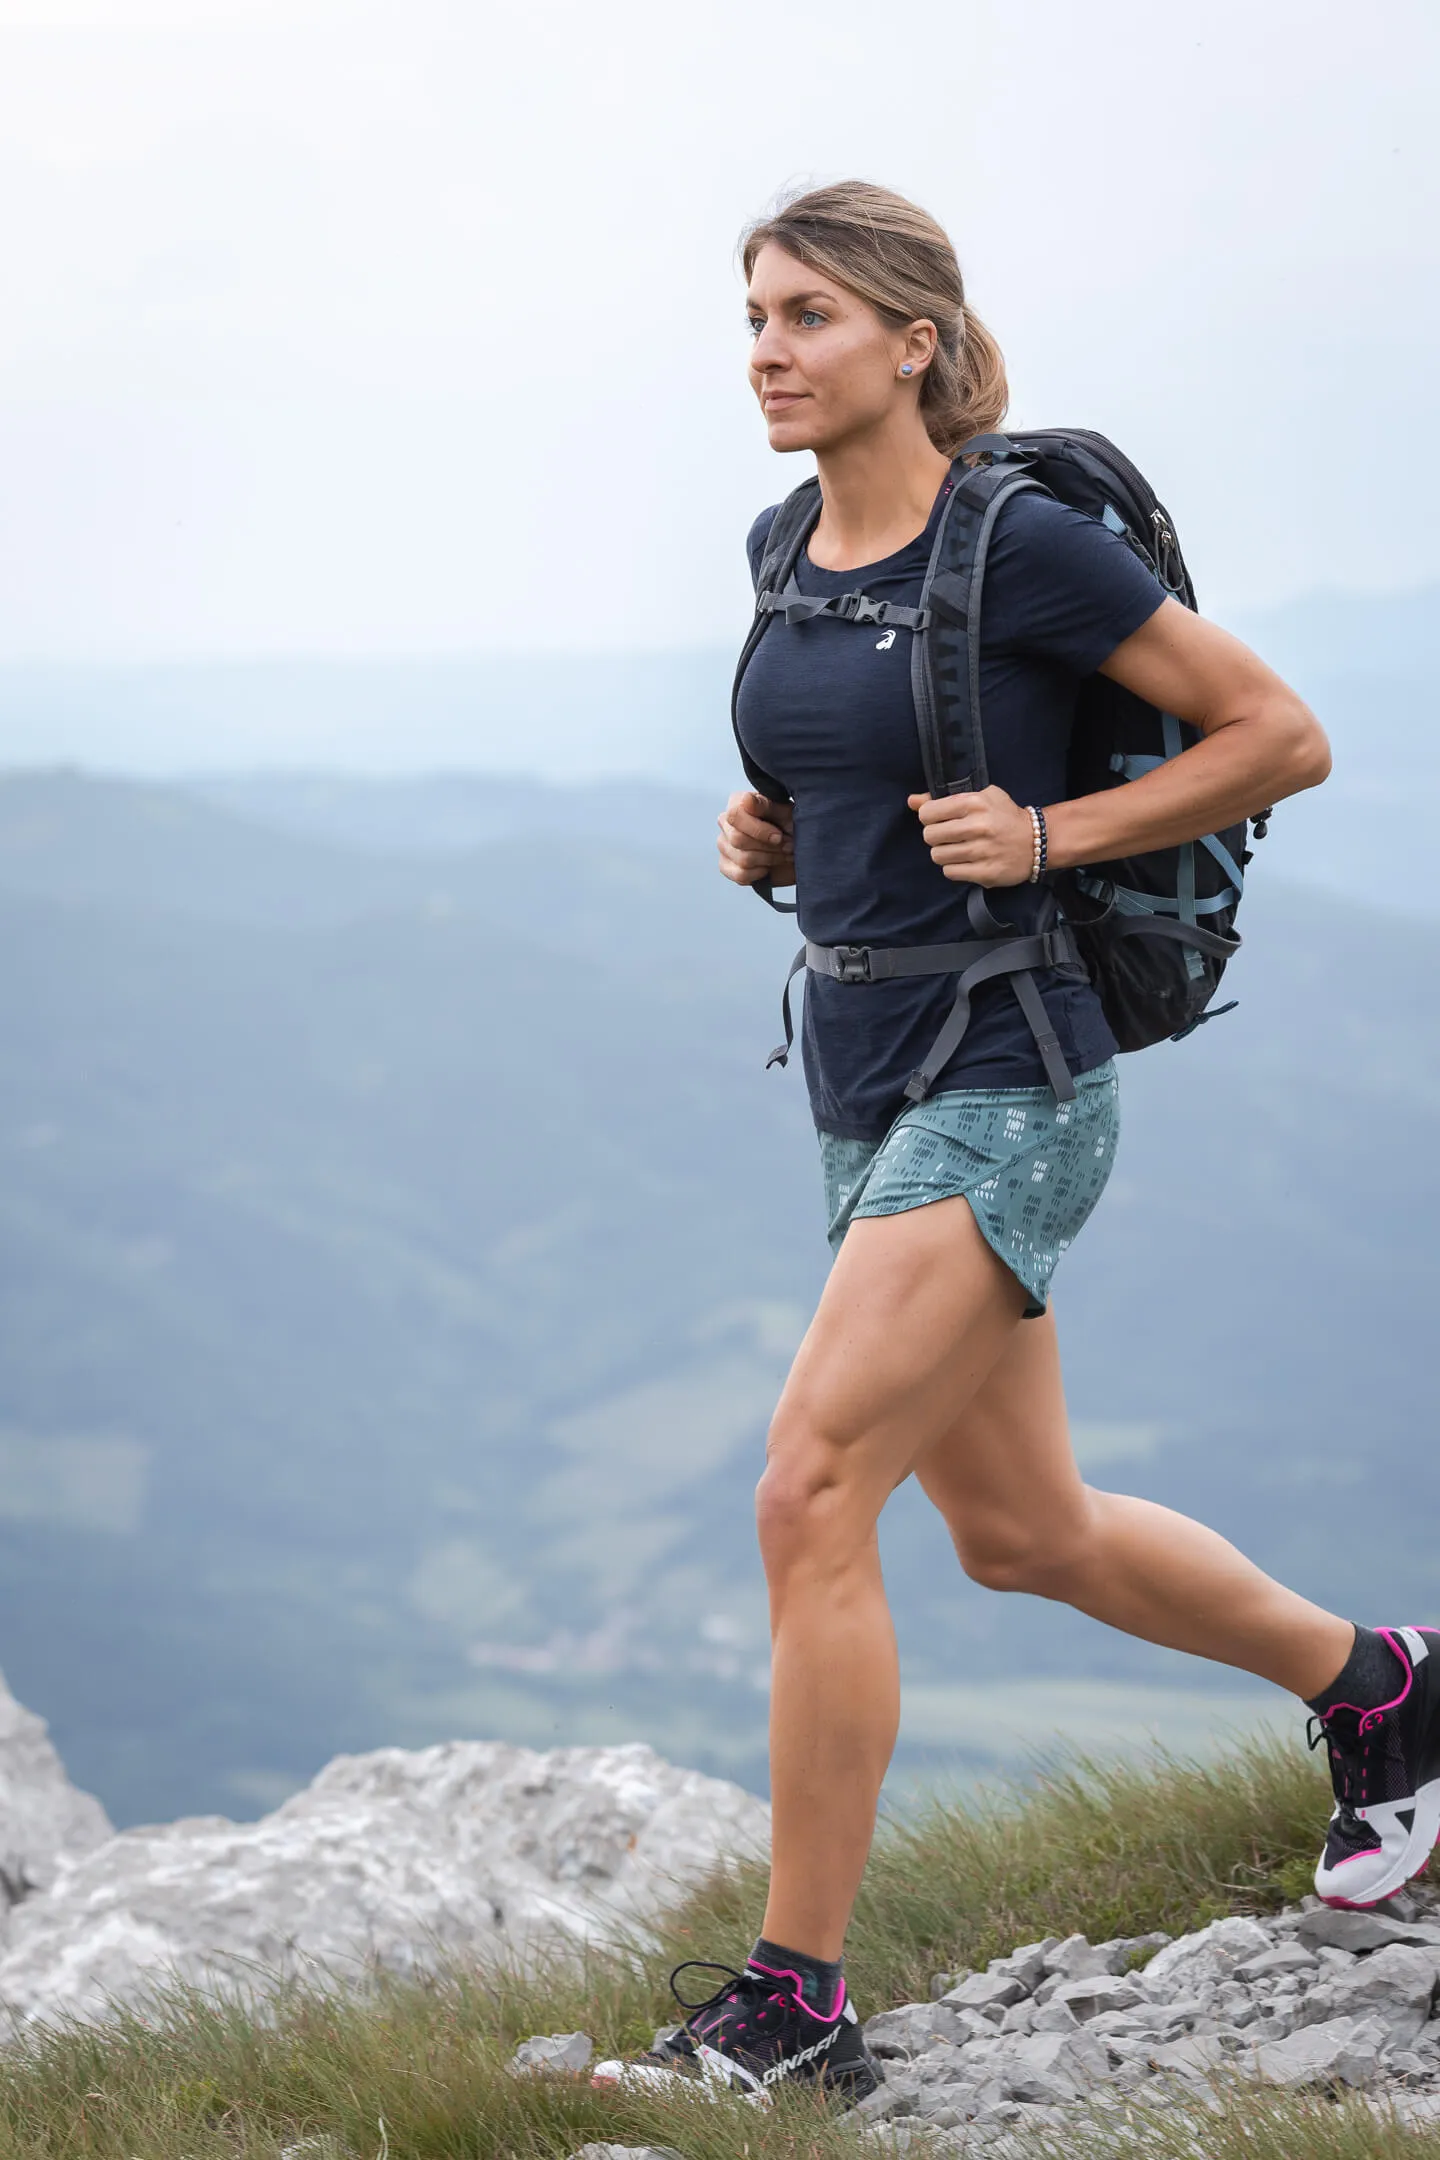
pixel 826 709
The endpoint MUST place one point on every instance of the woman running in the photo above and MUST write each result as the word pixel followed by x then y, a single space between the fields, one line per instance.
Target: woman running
pixel 933 1352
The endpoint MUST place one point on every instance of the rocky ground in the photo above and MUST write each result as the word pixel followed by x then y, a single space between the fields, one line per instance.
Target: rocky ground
pixel 473 1851
pixel 1309 2000
pixel 478 1851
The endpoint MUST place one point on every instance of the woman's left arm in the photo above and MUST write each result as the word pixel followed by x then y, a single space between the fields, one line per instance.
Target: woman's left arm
pixel 1259 743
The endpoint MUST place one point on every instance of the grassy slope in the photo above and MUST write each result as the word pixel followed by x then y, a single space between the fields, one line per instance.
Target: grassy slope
pixel 1107 1852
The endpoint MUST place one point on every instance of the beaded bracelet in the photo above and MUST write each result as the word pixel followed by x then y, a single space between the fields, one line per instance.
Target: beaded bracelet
pixel 1042 844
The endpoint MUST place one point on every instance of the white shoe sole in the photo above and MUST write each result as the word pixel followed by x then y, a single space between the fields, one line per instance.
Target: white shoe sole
pixel 1331 1886
pixel 652 2077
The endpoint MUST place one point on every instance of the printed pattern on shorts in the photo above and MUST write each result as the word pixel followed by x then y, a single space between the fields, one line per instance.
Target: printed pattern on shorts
pixel 1031 1168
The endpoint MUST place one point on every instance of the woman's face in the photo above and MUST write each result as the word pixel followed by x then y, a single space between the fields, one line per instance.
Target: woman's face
pixel 823 365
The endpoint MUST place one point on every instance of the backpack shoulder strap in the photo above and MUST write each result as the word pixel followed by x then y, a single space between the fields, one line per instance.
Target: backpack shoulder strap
pixel 790 528
pixel 945 657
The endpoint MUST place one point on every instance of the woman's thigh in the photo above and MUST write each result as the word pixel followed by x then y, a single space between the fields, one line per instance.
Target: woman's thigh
pixel 914 1316
pixel 1004 1473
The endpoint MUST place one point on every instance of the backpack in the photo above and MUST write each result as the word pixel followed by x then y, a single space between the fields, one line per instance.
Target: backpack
pixel 1152 931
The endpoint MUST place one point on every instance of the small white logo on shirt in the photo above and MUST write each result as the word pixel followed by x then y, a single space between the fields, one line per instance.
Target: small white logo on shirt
pixel 883 644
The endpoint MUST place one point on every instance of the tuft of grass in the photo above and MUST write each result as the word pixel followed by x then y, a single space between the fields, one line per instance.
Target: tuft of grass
pixel 416 2069
pixel 1089 1848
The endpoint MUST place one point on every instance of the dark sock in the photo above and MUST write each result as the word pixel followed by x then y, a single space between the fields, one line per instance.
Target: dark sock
pixel 1371 1675
pixel 819 1981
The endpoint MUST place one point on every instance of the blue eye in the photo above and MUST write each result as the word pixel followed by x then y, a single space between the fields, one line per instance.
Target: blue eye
pixel 809 319
pixel 755 324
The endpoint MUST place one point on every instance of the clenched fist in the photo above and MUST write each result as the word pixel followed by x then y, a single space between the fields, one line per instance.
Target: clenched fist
pixel 757 840
pixel 982 839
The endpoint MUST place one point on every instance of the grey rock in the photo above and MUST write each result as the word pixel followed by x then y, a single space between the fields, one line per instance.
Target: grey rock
pixel 550 2052
pixel 985 1991
pixel 916 2027
pixel 1147 2022
pixel 1194 1962
pixel 1027 1964
pixel 473 1851
pixel 1023 2082
pixel 1408 2064
pixel 941 2064
pixel 1289 1957
pixel 942 1982
pixel 947 2107
pixel 1123 1952
pixel 1180 2012
pixel 1020 2017
pixel 899 2095
pixel 1076 2057
pixel 1073 1959
pixel 45 1821
pixel 1085 1999
pixel 626 2152
pixel 979 2027
pixel 982 2054
pixel 1357 1931
pixel 1055 2016
pixel 1197 2057
pixel 1395 1985
pixel 1278 2019
pixel 1343 2051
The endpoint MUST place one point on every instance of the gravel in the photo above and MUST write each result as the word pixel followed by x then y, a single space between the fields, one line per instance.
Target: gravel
pixel 1307 2000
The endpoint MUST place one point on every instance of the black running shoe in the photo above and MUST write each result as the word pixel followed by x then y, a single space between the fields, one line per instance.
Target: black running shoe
pixel 1385 1767
pixel 754 2033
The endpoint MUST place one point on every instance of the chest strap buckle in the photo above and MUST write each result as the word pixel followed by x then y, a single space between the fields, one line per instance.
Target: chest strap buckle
pixel 851 963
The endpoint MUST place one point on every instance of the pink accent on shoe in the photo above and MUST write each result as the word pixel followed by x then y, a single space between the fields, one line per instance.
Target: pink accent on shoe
pixel 1373 1715
pixel 785 1973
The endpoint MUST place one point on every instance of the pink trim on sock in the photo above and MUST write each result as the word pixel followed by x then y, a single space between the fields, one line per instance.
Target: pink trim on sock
pixel 786 1973
pixel 1376 1711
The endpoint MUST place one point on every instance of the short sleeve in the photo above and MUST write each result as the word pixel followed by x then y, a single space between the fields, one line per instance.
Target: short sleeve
pixel 1062 584
pixel 759 534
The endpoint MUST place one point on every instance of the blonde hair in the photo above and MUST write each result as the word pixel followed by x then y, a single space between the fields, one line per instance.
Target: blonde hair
pixel 894 255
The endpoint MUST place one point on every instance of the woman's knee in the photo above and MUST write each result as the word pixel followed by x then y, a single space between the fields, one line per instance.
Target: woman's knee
pixel 1044 1559
pixel 806 1505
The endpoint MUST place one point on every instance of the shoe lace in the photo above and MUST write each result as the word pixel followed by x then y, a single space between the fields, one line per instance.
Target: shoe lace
pixel 1343 1753
pixel 732 1988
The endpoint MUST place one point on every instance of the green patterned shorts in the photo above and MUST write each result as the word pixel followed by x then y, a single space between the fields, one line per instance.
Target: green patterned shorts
pixel 1031 1168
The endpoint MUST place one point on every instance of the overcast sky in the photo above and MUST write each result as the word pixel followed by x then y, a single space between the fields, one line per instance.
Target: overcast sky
pixel 415 326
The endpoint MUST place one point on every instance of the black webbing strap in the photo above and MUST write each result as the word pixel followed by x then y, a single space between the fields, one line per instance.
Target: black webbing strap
pixel 1047 1042
pixel 780 1055
pixel 975 960
pixel 856 607
pixel 1016 957
pixel 1170 926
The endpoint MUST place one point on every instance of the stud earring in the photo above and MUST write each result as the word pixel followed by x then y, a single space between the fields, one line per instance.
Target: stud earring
pixel 906 369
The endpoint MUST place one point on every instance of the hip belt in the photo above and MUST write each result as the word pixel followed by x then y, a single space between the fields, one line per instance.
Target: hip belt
pixel 1015 953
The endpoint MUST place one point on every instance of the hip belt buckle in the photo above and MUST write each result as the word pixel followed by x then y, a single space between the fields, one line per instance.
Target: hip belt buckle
pixel 851 963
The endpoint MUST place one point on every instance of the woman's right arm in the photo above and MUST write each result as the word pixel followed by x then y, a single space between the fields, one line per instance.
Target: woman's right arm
pixel 757 840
